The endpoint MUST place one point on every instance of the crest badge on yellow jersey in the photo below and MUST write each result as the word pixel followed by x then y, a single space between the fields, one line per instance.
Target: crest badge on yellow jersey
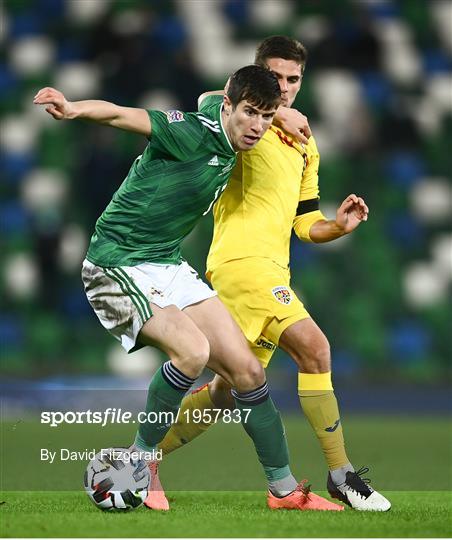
pixel 282 294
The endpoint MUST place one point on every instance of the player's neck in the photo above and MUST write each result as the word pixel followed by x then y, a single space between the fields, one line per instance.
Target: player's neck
pixel 226 122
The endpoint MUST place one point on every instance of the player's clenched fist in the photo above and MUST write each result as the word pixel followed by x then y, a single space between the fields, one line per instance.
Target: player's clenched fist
pixel 57 104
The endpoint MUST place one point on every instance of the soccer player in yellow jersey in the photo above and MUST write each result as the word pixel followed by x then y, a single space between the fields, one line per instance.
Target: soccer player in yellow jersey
pixel 274 189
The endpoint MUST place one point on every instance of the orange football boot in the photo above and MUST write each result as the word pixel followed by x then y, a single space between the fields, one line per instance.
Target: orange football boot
pixel 156 499
pixel 301 499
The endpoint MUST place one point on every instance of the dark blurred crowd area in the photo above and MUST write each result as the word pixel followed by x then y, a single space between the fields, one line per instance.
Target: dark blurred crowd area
pixel 378 93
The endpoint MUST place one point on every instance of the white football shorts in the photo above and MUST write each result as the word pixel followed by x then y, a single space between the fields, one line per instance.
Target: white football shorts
pixel 121 296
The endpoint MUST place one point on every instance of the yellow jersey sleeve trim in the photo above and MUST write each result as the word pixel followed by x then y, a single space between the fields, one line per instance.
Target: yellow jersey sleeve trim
pixel 302 224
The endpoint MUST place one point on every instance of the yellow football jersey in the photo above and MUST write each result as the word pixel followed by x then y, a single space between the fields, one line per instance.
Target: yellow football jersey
pixel 256 212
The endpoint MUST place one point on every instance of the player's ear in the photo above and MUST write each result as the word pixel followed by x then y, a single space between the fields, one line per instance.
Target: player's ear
pixel 227 104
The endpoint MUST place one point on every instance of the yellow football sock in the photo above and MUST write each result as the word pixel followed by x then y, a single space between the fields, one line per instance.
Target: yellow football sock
pixel 319 404
pixel 186 429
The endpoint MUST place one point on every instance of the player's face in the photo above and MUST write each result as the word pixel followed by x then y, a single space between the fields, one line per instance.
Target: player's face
pixel 247 124
pixel 289 78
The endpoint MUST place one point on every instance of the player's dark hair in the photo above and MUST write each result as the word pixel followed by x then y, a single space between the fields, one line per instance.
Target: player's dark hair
pixel 281 47
pixel 257 85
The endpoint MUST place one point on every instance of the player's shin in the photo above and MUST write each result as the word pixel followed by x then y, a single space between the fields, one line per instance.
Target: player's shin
pixel 167 388
pixel 186 428
pixel 319 404
pixel 263 424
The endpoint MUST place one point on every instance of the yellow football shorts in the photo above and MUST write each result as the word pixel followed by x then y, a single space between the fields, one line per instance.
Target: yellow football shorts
pixel 258 295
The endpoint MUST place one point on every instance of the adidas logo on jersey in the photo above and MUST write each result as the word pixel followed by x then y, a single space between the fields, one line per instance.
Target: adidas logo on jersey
pixel 214 161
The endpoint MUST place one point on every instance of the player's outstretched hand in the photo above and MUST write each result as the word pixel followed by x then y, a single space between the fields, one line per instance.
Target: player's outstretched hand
pixel 351 212
pixel 57 104
pixel 294 123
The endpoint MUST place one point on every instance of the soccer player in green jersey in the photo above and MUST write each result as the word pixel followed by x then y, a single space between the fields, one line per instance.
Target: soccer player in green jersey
pixel 141 289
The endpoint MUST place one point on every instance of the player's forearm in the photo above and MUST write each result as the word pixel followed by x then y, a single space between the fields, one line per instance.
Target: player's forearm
pixel 325 231
pixel 104 112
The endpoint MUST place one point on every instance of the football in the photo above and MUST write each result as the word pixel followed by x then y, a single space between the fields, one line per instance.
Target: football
pixel 117 479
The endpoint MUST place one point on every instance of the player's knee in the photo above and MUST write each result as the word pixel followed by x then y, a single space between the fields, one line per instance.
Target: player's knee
pixel 317 359
pixel 323 358
pixel 249 376
pixel 199 355
pixel 193 359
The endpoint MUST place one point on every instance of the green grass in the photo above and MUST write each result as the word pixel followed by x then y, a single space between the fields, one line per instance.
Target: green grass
pixel 217 488
pixel 219 514
pixel 404 453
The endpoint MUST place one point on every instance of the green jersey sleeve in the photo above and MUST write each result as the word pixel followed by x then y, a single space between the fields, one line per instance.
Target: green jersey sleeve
pixel 175 133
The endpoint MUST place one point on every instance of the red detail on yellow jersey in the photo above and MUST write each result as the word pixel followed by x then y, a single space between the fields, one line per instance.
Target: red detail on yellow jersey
pixel 283 137
pixel 256 212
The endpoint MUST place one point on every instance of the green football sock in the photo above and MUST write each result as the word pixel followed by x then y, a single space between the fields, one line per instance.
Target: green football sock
pixel 263 424
pixel 167 388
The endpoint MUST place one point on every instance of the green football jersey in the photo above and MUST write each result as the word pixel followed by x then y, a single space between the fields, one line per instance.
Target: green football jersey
pixel 176 180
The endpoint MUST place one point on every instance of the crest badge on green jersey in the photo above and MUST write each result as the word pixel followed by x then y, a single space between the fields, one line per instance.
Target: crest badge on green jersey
pixel 175 116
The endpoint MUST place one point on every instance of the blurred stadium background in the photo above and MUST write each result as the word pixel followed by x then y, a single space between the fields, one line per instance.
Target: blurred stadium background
pixel 378 93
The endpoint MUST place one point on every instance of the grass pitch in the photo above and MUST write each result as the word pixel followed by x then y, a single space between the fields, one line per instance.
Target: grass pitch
pixel 216 486
pixel 220 514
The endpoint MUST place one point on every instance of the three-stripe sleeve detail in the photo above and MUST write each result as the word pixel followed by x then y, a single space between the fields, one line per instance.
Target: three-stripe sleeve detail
pixel 210 124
